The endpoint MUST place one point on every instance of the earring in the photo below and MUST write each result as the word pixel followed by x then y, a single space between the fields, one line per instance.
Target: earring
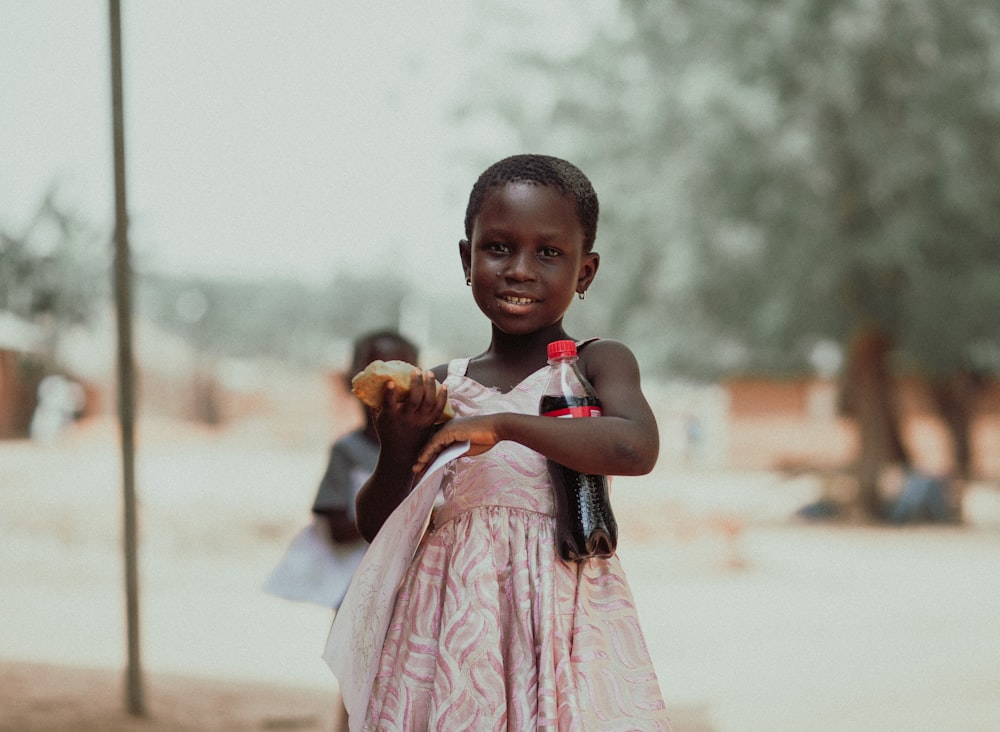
pixel 582 295
pixel 468 282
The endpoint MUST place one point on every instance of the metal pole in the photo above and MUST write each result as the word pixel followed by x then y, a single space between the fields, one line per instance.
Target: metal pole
pixel 134 697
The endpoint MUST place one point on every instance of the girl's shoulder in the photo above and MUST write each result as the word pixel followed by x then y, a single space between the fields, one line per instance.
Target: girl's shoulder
pixel 605 355
pixel 602 348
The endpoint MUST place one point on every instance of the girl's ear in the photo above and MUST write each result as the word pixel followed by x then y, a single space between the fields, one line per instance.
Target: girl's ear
pixel 465 252
pixel 588 270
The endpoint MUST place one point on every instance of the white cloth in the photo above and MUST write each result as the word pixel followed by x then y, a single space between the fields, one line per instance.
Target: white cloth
pixel 314 568
pixel 355 642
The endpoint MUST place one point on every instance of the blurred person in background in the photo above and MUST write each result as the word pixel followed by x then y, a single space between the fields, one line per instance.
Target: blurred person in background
pixel 322 558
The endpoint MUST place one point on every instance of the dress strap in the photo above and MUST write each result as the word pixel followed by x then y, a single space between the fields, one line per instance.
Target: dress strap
pixel 585 341
pixel 458 366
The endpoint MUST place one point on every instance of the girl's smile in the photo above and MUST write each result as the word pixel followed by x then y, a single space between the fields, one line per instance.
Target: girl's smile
pixel 515 304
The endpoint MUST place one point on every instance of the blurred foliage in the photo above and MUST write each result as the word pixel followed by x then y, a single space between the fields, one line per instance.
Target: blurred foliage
pixel 54 271
pixel 284 319
pixel 777 175
pixel 773 177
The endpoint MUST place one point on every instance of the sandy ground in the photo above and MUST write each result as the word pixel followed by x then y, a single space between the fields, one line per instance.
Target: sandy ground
pixel 755 621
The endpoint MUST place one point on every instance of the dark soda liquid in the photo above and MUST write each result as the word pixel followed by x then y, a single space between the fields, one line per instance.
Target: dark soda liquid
pixel 591 530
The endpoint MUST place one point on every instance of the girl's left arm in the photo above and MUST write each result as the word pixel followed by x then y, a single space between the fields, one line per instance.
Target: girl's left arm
pixel 624 441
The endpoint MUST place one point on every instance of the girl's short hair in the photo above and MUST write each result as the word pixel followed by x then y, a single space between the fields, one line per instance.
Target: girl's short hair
pixel 544 170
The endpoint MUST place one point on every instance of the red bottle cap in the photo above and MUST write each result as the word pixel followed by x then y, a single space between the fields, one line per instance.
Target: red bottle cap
pixel 561 349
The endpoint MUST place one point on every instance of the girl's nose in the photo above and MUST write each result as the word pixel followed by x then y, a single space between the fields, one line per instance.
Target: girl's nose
pixel 519 267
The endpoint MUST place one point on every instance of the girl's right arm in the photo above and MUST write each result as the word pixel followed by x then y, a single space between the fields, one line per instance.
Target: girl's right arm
pixel 403 428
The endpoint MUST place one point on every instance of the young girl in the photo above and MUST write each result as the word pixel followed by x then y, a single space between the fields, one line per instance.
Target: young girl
pixel 490 629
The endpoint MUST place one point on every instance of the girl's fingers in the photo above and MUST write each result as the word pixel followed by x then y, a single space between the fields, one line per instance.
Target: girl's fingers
pixel 441 401
pixel 433 446
pixel 389 396
pixel 435 396
pixel 416 388
pixel 423 389
pixel 442 439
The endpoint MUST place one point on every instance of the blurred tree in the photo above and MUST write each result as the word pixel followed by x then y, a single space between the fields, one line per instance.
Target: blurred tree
pixel 53 272
pixel 780 174
pixel 285 319
pixel 871 192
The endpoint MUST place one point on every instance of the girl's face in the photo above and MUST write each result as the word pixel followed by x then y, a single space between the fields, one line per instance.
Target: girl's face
pixel 526 258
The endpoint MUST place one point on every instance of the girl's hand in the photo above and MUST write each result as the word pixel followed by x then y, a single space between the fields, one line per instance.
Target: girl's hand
pixel 481 432
pixel 405 423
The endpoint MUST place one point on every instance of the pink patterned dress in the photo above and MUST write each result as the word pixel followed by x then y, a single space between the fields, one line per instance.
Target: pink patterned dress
pixel 491 630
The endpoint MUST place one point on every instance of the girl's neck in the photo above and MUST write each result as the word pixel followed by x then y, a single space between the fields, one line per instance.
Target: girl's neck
pixel 511 358
pixel 505 346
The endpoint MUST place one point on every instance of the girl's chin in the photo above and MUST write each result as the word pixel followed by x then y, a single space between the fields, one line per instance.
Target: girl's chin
pixel 520 327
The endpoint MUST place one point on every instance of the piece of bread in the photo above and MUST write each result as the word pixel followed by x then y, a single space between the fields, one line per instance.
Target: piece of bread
pixel 369 385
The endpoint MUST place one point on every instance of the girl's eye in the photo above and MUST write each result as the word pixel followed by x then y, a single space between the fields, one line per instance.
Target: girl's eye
pixel 550 252
pixel 496 246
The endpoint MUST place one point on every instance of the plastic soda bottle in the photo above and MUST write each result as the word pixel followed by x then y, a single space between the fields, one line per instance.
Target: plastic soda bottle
pixel 585 525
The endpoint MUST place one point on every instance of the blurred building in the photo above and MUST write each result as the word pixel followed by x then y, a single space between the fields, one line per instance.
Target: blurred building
pixel 793 423
pixel 20 373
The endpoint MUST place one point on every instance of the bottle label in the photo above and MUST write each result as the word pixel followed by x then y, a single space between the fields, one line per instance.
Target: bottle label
pixel 582 411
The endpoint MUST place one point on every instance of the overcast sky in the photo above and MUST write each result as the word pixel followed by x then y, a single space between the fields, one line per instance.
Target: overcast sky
pixel 262 137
